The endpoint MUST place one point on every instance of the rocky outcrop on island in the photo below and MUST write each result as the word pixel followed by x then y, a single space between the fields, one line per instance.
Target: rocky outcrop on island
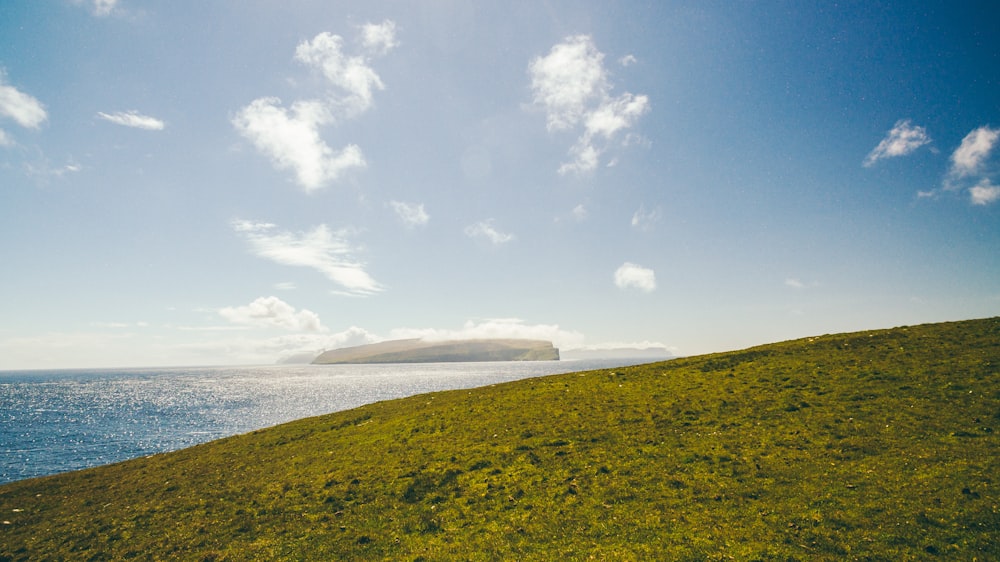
pixel 420 351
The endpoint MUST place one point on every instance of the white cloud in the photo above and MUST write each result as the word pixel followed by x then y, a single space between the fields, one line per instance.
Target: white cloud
pixel 969 157
pixel 133 119
pixel 329 253
pixel 4 139
pixel 44 171
pixel 504 328
pixel 616 114
pixel 412 214
pixel 585 157
pixel 251 350
pixel 291 138
pixel 353 75
pixel 485 229
pixel 580 212
pixel 794 283
pixel 379 38
pixel 628 60
pixel 272 312
pixel 104 7
pixel 25 110
pixel 903 138
pixel 285 286
pixel 644 219
pixel 984 192
pixel 567 80
pixel 572 86
pixel 630 275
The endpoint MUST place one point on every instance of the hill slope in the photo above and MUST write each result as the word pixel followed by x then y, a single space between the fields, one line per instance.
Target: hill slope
pixel 878 445
pixel 420 351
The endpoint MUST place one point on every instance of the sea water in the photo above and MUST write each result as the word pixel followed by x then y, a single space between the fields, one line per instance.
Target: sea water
pixel 57 421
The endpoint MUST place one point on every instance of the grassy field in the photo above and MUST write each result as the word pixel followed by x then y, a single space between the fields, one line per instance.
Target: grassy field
pixel 878 445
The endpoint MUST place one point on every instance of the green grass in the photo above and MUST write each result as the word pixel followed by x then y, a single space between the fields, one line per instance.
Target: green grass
pixel 877 445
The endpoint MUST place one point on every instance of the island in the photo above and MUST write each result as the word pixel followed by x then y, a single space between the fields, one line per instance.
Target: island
pixel 421 351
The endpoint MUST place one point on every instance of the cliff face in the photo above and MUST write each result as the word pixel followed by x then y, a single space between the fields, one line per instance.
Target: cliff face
pixel 419 351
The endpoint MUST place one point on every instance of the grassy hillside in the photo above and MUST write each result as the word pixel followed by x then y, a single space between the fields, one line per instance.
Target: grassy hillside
pixel 420 351
pixel 878 445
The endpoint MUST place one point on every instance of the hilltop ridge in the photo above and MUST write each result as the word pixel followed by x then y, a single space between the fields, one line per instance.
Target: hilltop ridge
pixel 875 445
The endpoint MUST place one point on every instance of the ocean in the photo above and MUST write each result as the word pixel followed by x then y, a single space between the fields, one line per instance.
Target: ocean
pixel 58 421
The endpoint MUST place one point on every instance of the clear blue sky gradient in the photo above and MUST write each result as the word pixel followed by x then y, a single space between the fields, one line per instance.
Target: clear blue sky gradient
pixel 235 182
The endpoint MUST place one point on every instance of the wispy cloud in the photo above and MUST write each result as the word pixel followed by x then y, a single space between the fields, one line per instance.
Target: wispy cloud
pixel 903 138
pixel 100 8
pixel 411 214
pixel 244 349
pixel 133 119
pixel 291 137
pixel 645 219
pixel 572 86
pixel 794 283
pixel 43 170
pixel 504 328
pixel 24 109
pixel 328 252
pixel 272 312
pixel 104 7
pixel 630 275
pixel 486 230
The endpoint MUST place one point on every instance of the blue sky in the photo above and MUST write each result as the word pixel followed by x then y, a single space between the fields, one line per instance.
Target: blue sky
pixel 234 182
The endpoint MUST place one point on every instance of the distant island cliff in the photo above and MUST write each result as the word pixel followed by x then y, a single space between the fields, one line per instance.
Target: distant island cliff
pixel 420 351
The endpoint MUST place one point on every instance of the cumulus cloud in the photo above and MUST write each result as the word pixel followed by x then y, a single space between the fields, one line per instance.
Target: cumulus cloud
pixel 568 80
pixel 630 275
pixel 903 138
pixel 412 214
pixel 571 84
pixel 291 136
pixel 291 139
pixel 272 312
pixel 328 252
pixel 486 230
pixel 580 213
pixel 972 168
pixel 379 38
pixel 133 119
pixel 355 79
pixel 104 7
pixel 505 328
pixel 984 192
pixel 969 157
pixel 24 109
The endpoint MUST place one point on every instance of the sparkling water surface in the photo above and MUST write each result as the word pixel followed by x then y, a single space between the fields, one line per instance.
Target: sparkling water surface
pixel 56 421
